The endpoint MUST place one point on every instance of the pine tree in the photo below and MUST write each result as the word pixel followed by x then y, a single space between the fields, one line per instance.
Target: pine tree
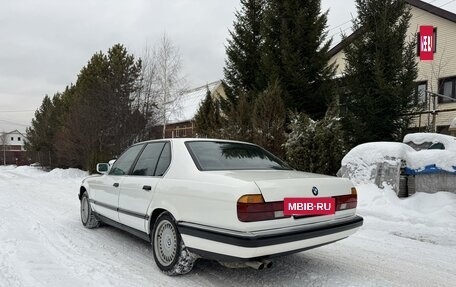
pixel 300 144
pixel 380 72
pixel 296 53
pixel 242 66
pixel 40 134
pixel 102 121
pixel 207 120
pixel 238 119
pixel 269 120
pixel 316 146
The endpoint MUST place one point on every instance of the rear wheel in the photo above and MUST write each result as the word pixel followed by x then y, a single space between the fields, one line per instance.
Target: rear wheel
pixel 87 216
pixel 170 253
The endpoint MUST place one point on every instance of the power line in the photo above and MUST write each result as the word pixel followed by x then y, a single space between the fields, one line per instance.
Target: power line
pixel 338 33
pixel 17 111
pixel 446 3
pixel 340 25
pixel 13 123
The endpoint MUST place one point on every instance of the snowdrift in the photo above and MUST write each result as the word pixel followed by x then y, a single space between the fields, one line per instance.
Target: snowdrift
pixel 57 173
pixel 430 210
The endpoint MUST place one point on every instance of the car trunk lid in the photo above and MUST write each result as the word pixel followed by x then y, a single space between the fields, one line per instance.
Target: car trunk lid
pixel 278 189
pixel 275 185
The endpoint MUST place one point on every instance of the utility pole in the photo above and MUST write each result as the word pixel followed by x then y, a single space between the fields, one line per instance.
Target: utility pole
pixel 3 137
pixel 165 98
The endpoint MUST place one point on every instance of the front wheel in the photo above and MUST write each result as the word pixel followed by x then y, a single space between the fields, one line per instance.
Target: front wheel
pixel 87 216
pixel 170 253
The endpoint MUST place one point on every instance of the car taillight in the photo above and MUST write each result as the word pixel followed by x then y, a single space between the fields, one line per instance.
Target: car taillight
pixel 252 207
pixel 348 201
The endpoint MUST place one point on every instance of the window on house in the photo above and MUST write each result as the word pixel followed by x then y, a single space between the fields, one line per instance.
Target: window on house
pixel 12 138
pixel 19 139
pixel 447 87
pixel 420 93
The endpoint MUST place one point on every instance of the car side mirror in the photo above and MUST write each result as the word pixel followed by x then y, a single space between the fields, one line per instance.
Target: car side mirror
pixel 103 168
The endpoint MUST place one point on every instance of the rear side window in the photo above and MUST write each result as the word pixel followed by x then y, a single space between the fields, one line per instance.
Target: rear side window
pixel 148 160
pixel 123 164
pixel 209 155
pixel 165 160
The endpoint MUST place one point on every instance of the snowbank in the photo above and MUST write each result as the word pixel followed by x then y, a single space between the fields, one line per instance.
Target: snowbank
pixel 66 173
pixel 37 172
pixel 29 171
pixel 431 210
pixel 7 167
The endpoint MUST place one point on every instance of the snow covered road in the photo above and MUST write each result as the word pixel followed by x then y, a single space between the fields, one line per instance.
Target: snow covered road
pixel 43 243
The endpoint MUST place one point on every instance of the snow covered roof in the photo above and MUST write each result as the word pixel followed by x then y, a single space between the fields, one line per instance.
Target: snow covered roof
pixel 189 102
pixel 419 138
pixel 12 132
pixel 374 152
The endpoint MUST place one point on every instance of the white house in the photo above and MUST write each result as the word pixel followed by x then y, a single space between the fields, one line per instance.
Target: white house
pixel 12 147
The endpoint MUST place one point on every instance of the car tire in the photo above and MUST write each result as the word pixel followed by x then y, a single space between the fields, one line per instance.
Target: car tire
pixel 170 253
pixel 88 218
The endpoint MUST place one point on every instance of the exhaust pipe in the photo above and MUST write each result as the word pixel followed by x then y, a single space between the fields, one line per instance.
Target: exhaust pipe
pixel 267 263
pixel 255 265
pixel 258 265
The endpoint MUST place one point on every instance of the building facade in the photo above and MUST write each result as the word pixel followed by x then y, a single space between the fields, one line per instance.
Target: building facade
pixel 12 148
pixel 434 77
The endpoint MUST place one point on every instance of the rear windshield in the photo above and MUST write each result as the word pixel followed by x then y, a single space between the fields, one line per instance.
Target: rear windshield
pixel 209 155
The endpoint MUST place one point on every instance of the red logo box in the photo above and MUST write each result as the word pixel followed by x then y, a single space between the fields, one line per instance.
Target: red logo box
pixel 426 43
pixel 309 206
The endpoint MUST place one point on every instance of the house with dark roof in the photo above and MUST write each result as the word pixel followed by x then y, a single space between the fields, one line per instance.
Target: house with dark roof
pixel 437 76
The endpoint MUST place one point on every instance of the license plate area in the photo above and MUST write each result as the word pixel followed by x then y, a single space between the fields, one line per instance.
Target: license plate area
pixel 309 206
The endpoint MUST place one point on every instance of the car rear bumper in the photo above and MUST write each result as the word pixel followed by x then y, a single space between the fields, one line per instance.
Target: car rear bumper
pixel 228 245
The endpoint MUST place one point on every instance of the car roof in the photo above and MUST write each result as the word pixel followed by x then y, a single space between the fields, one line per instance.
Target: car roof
pixel 182 140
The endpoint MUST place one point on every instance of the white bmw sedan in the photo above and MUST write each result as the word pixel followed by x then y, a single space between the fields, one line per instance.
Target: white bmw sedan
pixel 230 201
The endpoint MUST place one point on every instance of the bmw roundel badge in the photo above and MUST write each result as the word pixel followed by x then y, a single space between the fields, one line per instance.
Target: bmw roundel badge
pixel 315 190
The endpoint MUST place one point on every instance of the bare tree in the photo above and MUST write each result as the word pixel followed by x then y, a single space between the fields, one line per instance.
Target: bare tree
pixel 146 97
pixel 162 84
pixel 171 83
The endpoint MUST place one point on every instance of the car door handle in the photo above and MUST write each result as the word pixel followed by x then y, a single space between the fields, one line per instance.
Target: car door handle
pixel 147 187
pixel 116 184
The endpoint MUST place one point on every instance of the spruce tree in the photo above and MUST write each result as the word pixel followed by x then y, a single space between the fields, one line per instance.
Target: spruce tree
pixel 268 120
pixel 295 52
pixel 40 135
pixel 380 72
pixel 207 120
pixel 238 119
pixel 242 65
pixel 102 121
